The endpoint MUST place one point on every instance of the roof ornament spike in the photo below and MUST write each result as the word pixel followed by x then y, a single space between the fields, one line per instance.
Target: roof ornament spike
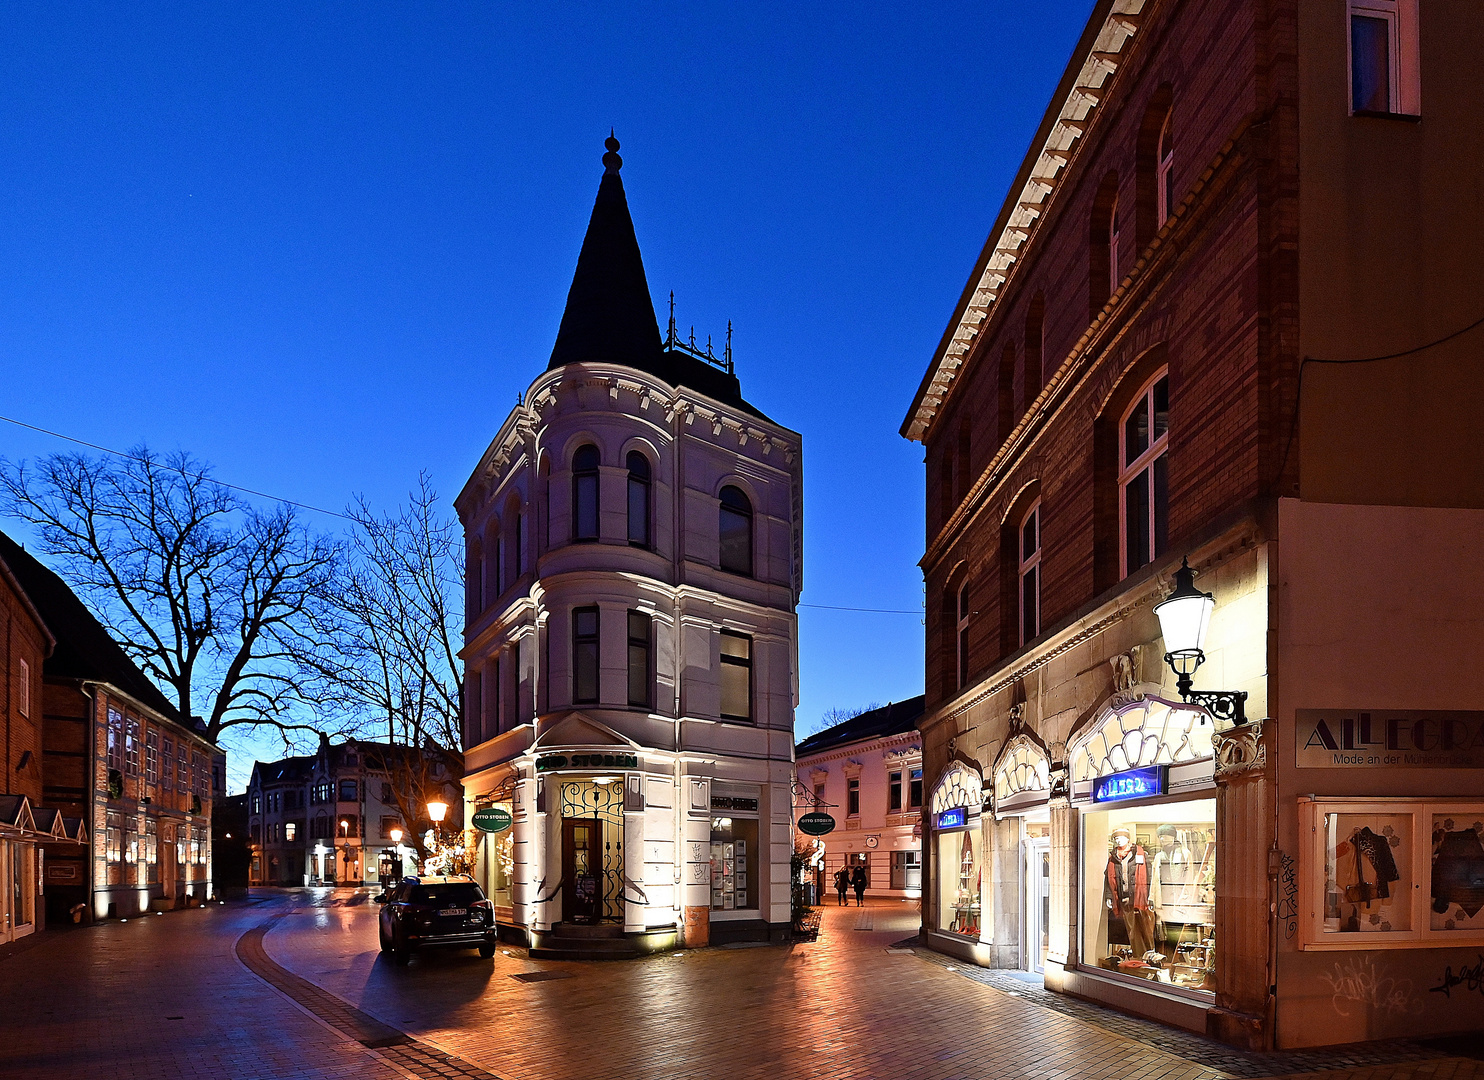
pixel 670 336
pixel 611 161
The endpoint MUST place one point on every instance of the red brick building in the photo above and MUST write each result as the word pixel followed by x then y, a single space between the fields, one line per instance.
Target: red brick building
pixel 1224 198
pixel 115 756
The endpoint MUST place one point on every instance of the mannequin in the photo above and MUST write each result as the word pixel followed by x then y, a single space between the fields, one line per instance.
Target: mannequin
pixel 1128 889
pixel 1172 874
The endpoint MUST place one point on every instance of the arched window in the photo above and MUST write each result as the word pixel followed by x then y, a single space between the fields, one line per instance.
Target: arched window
pixel 494 572
pixel 1102 250
pixel 638 499
pixel 963 636
pixel 736 531
pixel 1164 173
pixel 473 581
pixel 962 473
pixel 1143 478
pixel 1114 278
pixel 585 493
pixel 1005 400
pixel 1035 363
pixel 1030 574
pixel 520 543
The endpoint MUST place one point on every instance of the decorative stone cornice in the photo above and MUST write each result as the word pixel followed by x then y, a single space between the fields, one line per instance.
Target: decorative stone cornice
pixel 1239 750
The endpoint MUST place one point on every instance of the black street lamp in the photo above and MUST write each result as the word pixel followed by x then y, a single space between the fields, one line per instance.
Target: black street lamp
pixel 1184 617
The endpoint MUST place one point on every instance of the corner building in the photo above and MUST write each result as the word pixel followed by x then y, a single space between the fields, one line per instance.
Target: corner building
pixel 634 560
pixel 1178 345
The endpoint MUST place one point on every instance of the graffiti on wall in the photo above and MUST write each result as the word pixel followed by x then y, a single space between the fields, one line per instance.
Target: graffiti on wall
pixel 1288 896
pixel 1358 985
pixel 1471 979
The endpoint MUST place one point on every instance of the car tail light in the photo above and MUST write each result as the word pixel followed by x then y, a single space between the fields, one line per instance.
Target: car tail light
pixel 485 908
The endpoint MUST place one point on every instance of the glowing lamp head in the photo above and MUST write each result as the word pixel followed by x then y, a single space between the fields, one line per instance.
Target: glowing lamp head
pixel 1184 617
pixel 436 811
pixel 396 836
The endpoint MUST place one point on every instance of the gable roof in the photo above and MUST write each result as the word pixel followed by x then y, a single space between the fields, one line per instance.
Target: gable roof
pixel 85 650
pixel 896 718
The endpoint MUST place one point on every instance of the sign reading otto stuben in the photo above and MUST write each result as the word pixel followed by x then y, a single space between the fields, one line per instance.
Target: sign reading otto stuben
pixel 1380 739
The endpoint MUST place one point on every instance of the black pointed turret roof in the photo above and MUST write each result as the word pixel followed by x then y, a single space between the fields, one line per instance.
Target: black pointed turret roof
pixel 610 314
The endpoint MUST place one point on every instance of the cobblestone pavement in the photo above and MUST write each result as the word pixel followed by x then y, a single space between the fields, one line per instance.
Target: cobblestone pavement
pixel 293 986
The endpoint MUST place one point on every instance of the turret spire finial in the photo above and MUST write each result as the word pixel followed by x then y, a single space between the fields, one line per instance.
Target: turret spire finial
pixel 611 161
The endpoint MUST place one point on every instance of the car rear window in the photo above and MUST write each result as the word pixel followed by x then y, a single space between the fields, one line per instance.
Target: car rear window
pixel 454 894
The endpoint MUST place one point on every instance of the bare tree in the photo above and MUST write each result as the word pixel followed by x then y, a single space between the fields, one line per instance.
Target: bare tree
pixel 223 603
pixel 399 627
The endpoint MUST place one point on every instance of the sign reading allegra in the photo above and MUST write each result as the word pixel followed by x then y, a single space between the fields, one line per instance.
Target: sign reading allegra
pixel 1380 739
pixel 1132 784
pixel 954 818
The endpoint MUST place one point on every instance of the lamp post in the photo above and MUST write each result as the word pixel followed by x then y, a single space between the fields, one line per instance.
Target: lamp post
pixel 1184 618
pixel 436 810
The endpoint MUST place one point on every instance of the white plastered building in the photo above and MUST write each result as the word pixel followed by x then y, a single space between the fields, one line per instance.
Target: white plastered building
pixel 634 561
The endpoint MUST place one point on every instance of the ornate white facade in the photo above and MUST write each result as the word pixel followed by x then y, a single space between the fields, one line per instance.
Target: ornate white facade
pixel 628 700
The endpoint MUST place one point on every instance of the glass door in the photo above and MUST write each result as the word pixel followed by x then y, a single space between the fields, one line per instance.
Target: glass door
pixel 1037 902
pixel 582 861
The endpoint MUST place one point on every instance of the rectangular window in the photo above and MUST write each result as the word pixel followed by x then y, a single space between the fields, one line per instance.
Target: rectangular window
pixel 893 792
pixel 1149 885
pixel 167 764
pixel 736 676
pixel 182 770
pixel 24 702
pixel 115 838
pixel 290 829
pixel 388 823
pixel 152 852
pixel 1030 574
pixel 349 791
pixel 639 665
pixel 916 788
pixel 1384 57
pixel 115 739
pixel 1144 438
pixel 734 864
pixel 852 798
pixel 963 637
pixel 960 873
pixel 473 708
pixel 152 757
pixel 585 655
pixel 131 746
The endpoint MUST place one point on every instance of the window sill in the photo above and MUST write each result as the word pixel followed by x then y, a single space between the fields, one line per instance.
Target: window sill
pixel 1411 118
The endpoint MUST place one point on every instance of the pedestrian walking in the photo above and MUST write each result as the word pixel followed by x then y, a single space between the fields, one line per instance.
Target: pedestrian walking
pixel 858 879
pixel 842 882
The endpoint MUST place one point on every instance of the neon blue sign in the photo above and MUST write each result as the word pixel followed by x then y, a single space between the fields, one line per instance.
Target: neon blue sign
pixel 1133 784
pixel 956 818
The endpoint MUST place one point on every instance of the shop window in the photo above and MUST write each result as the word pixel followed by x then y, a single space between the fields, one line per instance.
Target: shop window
pixel 1384 57
pixel 914 788
pixel 1149 892
pixel 1366 862
pixel 638 499
pixel 734 880
pixel 853 797
pixel 585 655
pixel 894 792
pixel 960 878
pixel 1030 574
pixel 152 852
pixel 1143 479
pixel 906 870
pixel 640 631
pixel 735 524
pixel 736 676
pixel 585 493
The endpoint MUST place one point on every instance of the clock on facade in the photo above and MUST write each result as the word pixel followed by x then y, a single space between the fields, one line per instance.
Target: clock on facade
pixel 872 841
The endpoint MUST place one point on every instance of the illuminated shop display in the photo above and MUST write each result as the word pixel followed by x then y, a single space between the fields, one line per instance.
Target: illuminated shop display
pixel 1367 861
pixel 734 852
pixel 956 809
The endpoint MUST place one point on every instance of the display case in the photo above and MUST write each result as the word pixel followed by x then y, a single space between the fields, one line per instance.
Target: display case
pixel 1391 873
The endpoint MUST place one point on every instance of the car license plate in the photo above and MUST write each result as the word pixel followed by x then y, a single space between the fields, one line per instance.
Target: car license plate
pixel 454 911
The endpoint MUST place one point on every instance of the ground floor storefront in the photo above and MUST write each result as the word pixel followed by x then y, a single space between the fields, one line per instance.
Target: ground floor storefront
pixel 594 839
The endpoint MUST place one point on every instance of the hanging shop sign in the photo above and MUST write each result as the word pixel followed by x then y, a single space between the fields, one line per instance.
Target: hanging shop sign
pixel 548 762
pixel 1344 739
pixel 955 818
pixel 1133 784
pixel 816 824
pixel 492 819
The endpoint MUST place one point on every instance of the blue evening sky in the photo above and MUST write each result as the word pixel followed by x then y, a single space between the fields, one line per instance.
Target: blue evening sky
pixel 324 246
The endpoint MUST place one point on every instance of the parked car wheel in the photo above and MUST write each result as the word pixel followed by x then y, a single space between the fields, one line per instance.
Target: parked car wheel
pixel 487 951
pixel 381 935
pixel 400 953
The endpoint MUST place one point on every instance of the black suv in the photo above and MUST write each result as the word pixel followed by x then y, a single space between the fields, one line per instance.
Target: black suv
pixel 436 911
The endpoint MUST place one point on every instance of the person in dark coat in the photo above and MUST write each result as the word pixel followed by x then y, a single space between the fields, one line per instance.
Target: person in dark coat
pixel 842 882
pixel 858 879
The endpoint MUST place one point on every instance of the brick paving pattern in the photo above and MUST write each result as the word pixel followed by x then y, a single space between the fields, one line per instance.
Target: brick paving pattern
pixel 315 999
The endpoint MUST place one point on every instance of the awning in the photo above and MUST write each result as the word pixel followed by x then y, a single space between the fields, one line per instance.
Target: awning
pixel 20 820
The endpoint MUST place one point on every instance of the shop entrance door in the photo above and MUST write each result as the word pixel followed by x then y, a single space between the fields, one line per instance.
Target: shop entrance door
pixel 1037 902
pixel 582 861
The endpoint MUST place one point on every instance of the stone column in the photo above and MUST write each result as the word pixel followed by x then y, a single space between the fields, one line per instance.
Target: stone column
pixel 1062 932
pixel 695 805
